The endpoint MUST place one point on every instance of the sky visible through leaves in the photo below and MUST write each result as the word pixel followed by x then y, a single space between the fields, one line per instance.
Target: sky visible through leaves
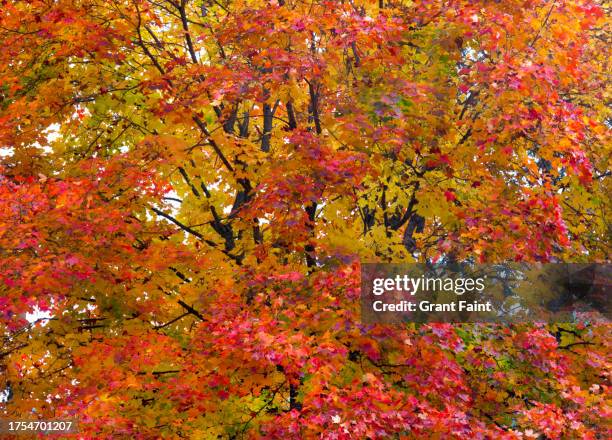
pixel 188 189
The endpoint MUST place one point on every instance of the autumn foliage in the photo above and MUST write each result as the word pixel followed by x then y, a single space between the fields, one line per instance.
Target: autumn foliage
pixel 188 187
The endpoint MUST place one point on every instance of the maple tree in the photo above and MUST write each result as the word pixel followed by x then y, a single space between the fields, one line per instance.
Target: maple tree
pixel 188 187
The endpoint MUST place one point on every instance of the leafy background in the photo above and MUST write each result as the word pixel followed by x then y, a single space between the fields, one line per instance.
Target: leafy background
pixel 187 189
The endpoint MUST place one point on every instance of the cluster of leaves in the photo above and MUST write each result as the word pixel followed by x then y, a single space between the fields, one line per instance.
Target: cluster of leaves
pixel 187 188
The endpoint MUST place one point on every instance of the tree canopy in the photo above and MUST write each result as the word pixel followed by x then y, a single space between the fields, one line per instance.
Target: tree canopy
pixel 188 187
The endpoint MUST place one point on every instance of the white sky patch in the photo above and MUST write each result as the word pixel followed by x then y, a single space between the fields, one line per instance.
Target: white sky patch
pixel 53 132
pixel 39 315
pixel 172 199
